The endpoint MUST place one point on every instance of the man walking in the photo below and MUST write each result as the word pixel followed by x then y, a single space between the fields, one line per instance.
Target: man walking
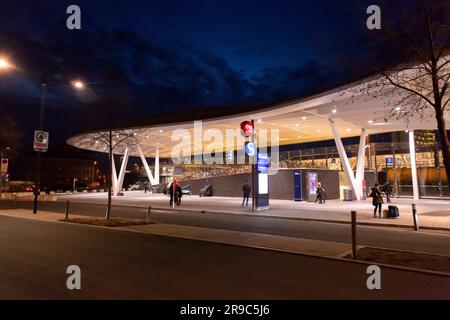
pixel 145 187
pixel 246 189
pixel 387 189
pixel 172 194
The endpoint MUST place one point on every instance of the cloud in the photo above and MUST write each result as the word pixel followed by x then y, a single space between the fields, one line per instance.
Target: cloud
pixel 153 77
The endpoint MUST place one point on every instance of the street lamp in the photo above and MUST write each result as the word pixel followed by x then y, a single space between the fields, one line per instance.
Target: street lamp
pixel 4 64
pixel 78 84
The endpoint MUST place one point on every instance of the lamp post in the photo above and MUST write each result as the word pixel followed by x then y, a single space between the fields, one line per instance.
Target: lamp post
pixel 37 188
pixel 77 85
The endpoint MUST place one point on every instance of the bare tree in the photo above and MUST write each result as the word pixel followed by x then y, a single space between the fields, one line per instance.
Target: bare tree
pixel 110 140
pixel 418 32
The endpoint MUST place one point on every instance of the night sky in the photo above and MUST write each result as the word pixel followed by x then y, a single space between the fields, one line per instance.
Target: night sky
pixel 172 56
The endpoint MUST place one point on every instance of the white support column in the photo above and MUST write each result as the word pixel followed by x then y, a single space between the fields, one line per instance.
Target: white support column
pixel 123 168
pixel 344 160
pixel 157 165
pixel 412 155
pixel 114 176
pixel 361 161
pixel 146 167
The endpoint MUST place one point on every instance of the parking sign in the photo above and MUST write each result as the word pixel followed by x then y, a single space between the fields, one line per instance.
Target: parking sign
pixel 40 141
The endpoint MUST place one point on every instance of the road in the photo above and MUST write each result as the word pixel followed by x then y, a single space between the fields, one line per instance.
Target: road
pixel 385 237
pixel 118 264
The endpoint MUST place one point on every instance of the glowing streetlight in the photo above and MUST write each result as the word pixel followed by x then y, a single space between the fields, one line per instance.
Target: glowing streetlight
pixel 78 84
pixel 4 64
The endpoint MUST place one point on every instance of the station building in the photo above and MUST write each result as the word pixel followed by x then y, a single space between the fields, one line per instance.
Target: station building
pixel 342 136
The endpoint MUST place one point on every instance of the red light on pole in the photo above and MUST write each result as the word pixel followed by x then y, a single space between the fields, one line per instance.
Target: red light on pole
pixel 247 128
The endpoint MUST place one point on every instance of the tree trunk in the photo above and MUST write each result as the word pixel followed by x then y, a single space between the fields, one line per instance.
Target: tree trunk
pixel 108 209
pixel 444 143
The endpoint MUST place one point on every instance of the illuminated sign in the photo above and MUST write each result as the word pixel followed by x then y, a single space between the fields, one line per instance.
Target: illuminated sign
pixel 263 163
pixel 250 149
pixel 247 128
pixel 40 143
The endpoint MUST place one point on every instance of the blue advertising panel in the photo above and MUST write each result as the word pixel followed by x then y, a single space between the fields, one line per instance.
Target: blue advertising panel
pixel 297 185
pixel 263 163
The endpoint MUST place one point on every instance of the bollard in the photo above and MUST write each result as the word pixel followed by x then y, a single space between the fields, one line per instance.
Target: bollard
pixel 353 234
pixel 415 218
pixel 67 210
pixel 148 214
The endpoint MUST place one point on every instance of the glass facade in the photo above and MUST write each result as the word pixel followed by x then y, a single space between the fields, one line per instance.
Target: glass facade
pixel 387 155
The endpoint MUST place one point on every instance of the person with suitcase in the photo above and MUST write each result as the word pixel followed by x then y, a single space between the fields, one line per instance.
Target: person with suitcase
pixel 377 200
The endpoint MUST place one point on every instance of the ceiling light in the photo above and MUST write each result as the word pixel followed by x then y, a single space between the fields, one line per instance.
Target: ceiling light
pixel 259 120
pixel 296 124
pixel 348 129
pixel 334 110
pixel 370 121
pixel 303 118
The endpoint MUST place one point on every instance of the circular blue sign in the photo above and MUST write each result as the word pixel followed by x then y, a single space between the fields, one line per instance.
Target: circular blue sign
pixel 250 149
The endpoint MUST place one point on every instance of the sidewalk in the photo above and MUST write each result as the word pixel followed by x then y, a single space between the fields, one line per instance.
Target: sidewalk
pixel 246 239
pixel 433 214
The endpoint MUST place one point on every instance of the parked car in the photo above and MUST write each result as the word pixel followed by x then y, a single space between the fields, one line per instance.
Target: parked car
pixel 186 189
pixel 19 186
pixel 207 191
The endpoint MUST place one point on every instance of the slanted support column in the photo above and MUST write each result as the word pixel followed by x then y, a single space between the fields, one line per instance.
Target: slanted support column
pixel 123 168
pixel 412 155
pixel 114 175
pixel 344 160
pixel 146 167
pixel 361 160
pixel 157 165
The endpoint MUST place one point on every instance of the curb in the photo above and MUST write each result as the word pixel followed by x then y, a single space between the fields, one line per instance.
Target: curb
pixel 168 209
pixel 391 225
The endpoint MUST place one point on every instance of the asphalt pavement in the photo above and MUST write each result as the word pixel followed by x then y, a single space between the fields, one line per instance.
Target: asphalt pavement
pixel 34 256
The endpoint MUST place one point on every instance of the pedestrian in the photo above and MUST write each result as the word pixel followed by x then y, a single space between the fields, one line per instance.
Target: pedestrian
pixel 320 193
pixel 246 189
pixel 377 200
pixel 171 193
pixel 178 195
pixel 145 187
pixel 387 189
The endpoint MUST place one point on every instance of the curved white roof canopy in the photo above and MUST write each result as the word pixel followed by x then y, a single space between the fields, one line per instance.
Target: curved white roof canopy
pixel 299 121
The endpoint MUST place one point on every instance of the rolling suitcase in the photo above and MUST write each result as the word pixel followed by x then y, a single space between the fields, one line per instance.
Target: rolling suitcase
pixel 393 211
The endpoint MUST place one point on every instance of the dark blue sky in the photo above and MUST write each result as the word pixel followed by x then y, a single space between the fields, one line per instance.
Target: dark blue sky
pixel 173 55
